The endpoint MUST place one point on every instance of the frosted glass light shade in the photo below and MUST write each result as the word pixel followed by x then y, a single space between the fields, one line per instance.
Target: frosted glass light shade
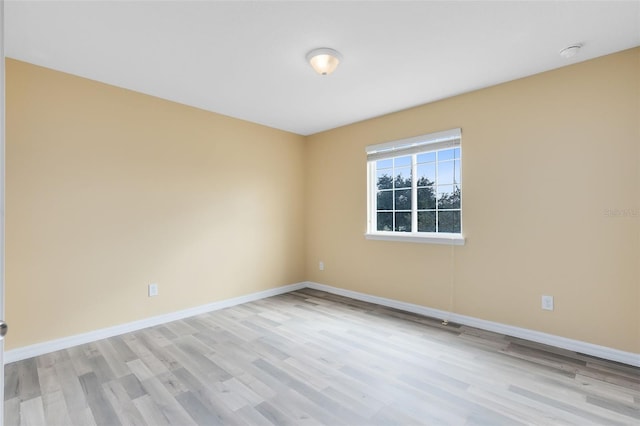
pixel 324 60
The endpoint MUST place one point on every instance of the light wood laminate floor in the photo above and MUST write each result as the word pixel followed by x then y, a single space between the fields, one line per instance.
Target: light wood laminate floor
pixel 310 357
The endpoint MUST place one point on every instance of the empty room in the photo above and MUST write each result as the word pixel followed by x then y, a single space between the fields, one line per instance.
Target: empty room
pixel 320 212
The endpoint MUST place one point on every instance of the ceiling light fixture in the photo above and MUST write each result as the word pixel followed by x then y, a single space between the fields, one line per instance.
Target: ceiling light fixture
pixel 324 60
pixel 571 51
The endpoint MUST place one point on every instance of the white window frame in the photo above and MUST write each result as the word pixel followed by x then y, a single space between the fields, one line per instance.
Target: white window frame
pixel 415 145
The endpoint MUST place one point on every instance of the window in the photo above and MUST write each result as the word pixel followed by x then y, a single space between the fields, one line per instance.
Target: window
pixel 415 189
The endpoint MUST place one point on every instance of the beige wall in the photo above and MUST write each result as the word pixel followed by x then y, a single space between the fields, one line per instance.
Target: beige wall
pixel 543 159
pixel 109 190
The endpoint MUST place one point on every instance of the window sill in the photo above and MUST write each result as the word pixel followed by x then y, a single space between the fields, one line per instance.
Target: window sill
pixel 448 239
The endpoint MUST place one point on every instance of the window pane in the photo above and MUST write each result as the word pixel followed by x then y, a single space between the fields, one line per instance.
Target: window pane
pixel 384 164
pixel 385 222
pixel 403 199
pixel 449 221
pixel 403 222
pixel 427 157
pixel 446 154
pixel 403 177
pixel 385 181
pixel 448 197
pixel 426 221
pixel 436 180
pixel 402 161
pixel 426 174
pixel 446 172
pixel 426 198
pixel 385 200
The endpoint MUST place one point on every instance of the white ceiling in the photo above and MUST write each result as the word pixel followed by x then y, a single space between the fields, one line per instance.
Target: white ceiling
pixel 247 59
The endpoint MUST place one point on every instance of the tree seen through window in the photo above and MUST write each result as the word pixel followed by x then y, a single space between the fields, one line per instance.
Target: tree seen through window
pixel 437 190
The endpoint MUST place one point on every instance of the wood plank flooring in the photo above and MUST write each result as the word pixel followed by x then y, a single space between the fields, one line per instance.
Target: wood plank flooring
pixel 309 358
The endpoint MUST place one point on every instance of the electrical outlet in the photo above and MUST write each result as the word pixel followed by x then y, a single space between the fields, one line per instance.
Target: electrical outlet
pixel 321 265
pixel 153 290
pixel 547 303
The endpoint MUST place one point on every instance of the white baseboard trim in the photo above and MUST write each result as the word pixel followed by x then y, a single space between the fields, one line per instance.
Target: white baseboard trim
pixel 79 339
pixel 629 358
pixel 523 333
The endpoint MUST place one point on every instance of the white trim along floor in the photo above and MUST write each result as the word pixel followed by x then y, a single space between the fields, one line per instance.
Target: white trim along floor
pixel 523 333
